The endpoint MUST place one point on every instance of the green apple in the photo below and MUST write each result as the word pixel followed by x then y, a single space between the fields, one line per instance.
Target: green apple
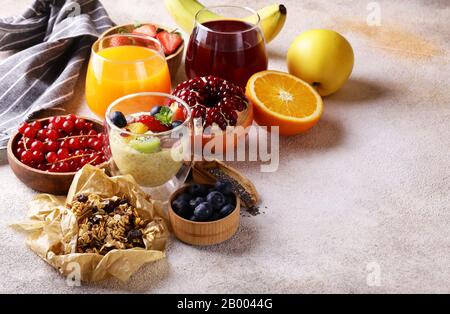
pixel 323 58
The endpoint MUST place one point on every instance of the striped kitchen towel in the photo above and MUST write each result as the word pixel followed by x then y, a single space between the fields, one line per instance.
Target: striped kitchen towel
pixel 54 37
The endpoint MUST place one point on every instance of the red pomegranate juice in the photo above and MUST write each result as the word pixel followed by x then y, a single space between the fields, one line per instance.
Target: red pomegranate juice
pixel 230 49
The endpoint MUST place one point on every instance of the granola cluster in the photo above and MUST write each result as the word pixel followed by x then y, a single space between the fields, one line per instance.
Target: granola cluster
pixel 105 224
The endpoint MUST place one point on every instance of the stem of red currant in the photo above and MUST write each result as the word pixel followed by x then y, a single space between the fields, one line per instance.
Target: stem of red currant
pixel 70 158
pixel 75 136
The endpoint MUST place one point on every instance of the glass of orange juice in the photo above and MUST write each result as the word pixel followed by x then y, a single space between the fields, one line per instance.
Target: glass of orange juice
pixel 124 64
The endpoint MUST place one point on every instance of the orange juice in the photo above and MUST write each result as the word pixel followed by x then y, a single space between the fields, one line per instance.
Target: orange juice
pixel 118 71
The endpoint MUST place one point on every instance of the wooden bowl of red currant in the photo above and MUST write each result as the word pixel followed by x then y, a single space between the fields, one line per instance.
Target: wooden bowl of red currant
pixel 46 153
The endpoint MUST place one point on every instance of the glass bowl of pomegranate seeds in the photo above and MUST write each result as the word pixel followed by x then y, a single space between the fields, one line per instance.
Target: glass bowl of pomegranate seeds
pixel 45 154
pixel 220 109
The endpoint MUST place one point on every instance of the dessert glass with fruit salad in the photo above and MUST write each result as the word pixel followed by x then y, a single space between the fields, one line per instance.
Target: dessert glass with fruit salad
pixel 124 64
pixel 148 138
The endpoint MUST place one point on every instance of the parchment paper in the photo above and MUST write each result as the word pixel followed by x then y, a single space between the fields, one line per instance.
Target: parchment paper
pixel 53 228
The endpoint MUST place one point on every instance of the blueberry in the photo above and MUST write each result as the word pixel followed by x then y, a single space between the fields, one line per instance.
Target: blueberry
pixel 118 119
pixel 196 201
pixel 226 210
pixel 155 110
pixel 197 189
pixel 216 200
pixel 224 187
pixel 203 211
pixel 179 205
pixel 176 123
pixel 185 197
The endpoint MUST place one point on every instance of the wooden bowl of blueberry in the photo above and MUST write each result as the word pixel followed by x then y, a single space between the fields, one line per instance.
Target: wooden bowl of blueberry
pixel 203 214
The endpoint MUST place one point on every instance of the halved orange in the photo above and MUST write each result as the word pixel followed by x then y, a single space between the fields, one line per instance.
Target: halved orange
pixel 281 99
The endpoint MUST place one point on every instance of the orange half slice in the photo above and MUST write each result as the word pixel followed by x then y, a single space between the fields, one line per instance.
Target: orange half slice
pixel 281 99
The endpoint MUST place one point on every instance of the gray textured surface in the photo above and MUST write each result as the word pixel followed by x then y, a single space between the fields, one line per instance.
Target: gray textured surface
pixel 370 183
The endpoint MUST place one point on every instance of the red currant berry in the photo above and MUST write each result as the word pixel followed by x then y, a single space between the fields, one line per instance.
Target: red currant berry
pixel 41 134
pixel 83 161
pixel 63 166
pixel 30 132
pixel 42 167
pixel 73 165
pixel 20 144
pixel 36 124
pixel 19 151
pixel 92 133
pixel 90 142
pixel 80 124
pixel 22 127
pixel 53 168
pixel 58 121
pixel 51 157
pixel 65 144
pixel 71 117
pixel 37 145
pixel 74 144
pixel 51 146
pixel 38 156
pixel 26 157
pixel 88 126
pixel 63 153
pixel 97 145
pixel 52 135
pixel 100 136
pixel 67 126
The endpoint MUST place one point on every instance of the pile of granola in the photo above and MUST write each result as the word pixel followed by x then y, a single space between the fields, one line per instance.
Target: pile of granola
pixel 105 224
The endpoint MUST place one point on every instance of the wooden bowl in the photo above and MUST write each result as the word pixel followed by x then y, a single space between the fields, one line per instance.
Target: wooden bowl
pixel 173 60
pixel 203 233
pixel 43 181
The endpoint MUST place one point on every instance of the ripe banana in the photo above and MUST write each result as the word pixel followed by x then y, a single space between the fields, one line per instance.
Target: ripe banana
pixel 183 12
pixel 273 18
